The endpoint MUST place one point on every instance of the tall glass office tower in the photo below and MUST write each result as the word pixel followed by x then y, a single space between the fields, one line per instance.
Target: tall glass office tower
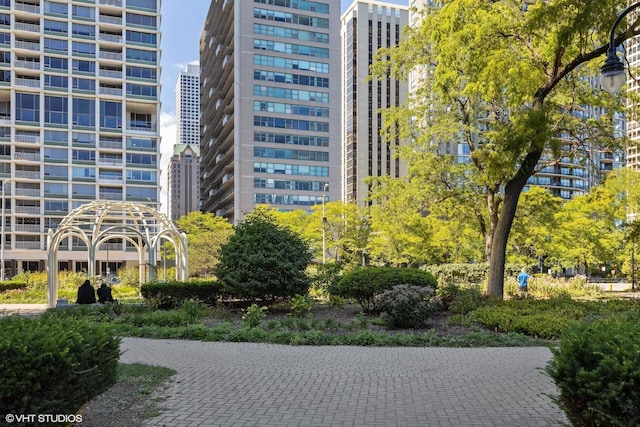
pixel 270 99
pixel 79 109
pixel 367 26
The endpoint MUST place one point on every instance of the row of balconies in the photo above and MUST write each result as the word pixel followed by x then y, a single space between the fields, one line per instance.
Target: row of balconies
pixel 30 8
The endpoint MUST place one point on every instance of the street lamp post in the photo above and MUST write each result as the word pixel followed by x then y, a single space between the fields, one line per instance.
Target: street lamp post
pixel 613 74
pixel 4 183
pixel 324 222
pixel 612 79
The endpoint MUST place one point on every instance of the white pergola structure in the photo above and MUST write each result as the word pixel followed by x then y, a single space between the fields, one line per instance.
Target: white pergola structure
pixel 97 222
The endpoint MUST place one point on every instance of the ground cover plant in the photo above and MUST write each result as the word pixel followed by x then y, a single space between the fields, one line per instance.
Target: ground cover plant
pixel 470 320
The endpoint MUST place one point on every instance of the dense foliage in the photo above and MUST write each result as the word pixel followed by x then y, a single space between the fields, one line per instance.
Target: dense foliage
pixel 8 285
pixel 544 318
pixel 405 306
pixel 263 260
pixel 205 234
pixel 364 284
pixel 166 295
pixel 596 368
pixel 52 366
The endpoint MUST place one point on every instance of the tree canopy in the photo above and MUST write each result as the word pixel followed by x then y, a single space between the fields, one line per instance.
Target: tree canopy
pixel 205 234
pixel 510 80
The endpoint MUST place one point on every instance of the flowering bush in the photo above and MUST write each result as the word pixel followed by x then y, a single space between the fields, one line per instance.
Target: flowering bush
pixel 406 306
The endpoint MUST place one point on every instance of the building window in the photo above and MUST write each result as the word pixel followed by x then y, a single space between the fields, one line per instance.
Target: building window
pixel 55 110
pixel 85 173
pixel 142 90
pixel 83 12
pixel 55 8
pixel 142 55
pixel 27 107
pixel 143 4
pixel 84 48
pixel 84 84
pixel 52 80
pixel 51 26
pixel 56 45
pixel 110 115
pixel 141 73
pixel 143 38
pixel 142 20
pixel 84 30
pixel 84 155
pixel 84 112
pixel 140 121
pixel 54 63
pixel 84 66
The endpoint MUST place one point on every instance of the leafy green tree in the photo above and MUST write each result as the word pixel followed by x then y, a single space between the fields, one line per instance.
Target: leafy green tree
pixel 506 78
pixel 533 226
pixel 205 234
pixel 346 230
pixel 585 237
pixel 263 260
pixel 424 217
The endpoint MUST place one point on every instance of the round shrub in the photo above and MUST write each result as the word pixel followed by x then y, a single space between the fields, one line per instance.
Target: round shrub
pixel 596 370
pixel 263 260
pixel 364 284
pixel 406 306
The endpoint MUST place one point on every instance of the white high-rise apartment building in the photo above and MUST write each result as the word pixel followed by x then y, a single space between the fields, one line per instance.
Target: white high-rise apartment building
pixel 367 26
pixel 184 166
pixel 270 97
pixel 79 109
pixel 632 49
pixel 188 106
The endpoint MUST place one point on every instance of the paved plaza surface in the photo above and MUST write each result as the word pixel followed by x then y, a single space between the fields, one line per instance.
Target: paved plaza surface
pixel 246 384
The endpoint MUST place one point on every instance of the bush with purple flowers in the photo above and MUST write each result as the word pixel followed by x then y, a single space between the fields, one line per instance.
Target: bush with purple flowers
pixel 407 306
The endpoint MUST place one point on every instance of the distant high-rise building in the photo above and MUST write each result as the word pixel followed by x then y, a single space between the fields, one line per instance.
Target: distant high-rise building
pixel 366 27
pixel 79 109
pixel 188 106
pixel 633 126
pixel 184 180
pixel 270 97
pixel 184 186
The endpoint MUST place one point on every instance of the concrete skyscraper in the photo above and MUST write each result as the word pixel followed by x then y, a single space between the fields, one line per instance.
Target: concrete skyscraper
pixel 188 106
pixel 270 94
pixel 366 27
pixel 184 166
pixel 79 109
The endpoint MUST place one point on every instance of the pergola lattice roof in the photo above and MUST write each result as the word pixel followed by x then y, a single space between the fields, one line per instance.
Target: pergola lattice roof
pixel 97 222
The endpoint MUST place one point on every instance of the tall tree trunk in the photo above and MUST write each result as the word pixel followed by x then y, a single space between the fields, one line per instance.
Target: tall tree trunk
pixel 500 234
pixel 499 240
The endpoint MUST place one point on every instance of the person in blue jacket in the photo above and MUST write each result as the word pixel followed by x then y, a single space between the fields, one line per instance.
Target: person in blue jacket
pixel 523 281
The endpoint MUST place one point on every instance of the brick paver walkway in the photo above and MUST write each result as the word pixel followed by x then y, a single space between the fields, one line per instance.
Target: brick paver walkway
pixel 244 384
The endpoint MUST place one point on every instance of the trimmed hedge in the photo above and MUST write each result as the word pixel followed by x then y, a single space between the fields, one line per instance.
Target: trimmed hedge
pixel 168 295
pixel 8 285
pixel 364 284
pixel 53 366
pixel 597 371
pixel 467 274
